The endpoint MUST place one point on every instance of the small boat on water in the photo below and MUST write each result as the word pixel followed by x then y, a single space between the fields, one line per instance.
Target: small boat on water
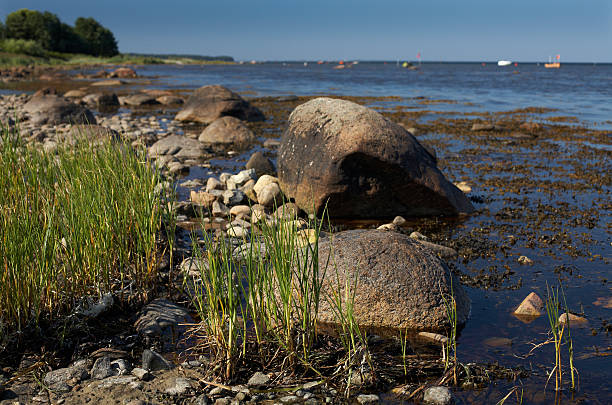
pixel 553 65
pixel 409 66
pixel 504 62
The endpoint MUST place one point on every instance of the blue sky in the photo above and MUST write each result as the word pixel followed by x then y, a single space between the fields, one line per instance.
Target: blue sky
pixel 449 30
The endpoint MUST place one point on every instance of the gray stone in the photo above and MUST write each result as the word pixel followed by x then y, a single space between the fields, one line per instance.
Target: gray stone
pixel 52 109
pixel 438 396
pixel 258 379
pixel 483 127
pixel 228 132
pixel 101 100
pixel 213 184
pixel 242 177
pixel 180 386
pixel 179 146
pixel 208 103
pixel 154 361
pixel 270 195
pixel 102 368
pixel 400 283
pixel 201 400
pixel 78 371
pixel 139 99
pixel 348 158
pixel 163 318
pixel 220 210
pixel 120 367
pixel 141 374
pixel 233 197
pixel 368 399
pixel 289 399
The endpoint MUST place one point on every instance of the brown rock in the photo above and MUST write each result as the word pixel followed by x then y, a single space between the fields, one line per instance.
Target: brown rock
pixel 45 91
pixel 400 284
pixel 483 127
pixel 573 320
pixel 202 198
pixel 139 99
pixel 123 73
pixel 261 164
pixel 101 100
pixel 361 164
pixel 75 94
pixel 169 100
pixel 108 83
pixel 91 133
pixel 208 103
pixel 532 305
pixel 228 132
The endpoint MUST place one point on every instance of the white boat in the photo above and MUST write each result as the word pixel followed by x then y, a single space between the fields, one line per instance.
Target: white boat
pixel 504 62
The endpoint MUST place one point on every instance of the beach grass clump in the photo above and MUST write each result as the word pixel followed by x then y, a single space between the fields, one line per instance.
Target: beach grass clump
pixel 81 221
pixel 262 298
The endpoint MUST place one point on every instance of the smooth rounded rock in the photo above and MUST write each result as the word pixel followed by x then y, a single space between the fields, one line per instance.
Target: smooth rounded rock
pixel 208 103
pixel 400 283
pixel 228 132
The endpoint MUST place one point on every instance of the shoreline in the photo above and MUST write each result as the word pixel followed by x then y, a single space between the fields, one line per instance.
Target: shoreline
pixel 145 123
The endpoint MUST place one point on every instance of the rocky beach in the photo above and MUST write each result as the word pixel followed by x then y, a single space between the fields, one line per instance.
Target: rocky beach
pixel 420 201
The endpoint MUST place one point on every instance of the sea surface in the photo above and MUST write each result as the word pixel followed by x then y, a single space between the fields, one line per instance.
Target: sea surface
pixel 581 90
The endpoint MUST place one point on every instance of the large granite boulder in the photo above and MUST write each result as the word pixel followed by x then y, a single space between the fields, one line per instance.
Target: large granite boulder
pixel 53 109
pixel 227 132
pixel 208 103
pixel 400 283
pixel 361 164
pixel 178 146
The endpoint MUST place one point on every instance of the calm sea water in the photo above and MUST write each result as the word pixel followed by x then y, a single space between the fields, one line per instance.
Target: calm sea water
pixel 581 90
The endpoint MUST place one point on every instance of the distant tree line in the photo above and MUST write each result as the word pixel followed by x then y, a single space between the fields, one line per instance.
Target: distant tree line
pixel 45 29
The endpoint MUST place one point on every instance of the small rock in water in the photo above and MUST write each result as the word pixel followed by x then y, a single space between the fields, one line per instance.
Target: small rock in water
pixel 258 379
pixel 483 127
pixel 531 306
pixel 572 319
pixel 223 177
pixel 525 260
pixel 497 342
pixel 237 232
pixel 399 220
pixel 438 396
pixel 368 399
pixel 464 186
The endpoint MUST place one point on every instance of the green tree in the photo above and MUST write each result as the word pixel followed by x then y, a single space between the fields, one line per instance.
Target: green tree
pixel 2 31
pixel 101 40
pixel 33 25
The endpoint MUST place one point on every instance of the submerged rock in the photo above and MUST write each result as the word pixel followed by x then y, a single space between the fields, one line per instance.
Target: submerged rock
pixel 208 103
pixel 261 164
pixel 400 283
pixel 361 165
pixel 531 306
pixel 438 396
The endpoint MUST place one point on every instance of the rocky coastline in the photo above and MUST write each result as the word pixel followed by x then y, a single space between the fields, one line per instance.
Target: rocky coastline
pixel 143 361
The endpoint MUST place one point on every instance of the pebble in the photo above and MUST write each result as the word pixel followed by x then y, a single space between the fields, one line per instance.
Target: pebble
pixel 258 379
pixel 438 396
pixel 368 399
pixel 154 361
pixel 525 260
pixel 180 387
pixel 531 306
pixel 399 221
pixel 141 374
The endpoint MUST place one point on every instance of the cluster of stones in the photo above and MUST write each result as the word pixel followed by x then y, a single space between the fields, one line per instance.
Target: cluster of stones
pixel 245 200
